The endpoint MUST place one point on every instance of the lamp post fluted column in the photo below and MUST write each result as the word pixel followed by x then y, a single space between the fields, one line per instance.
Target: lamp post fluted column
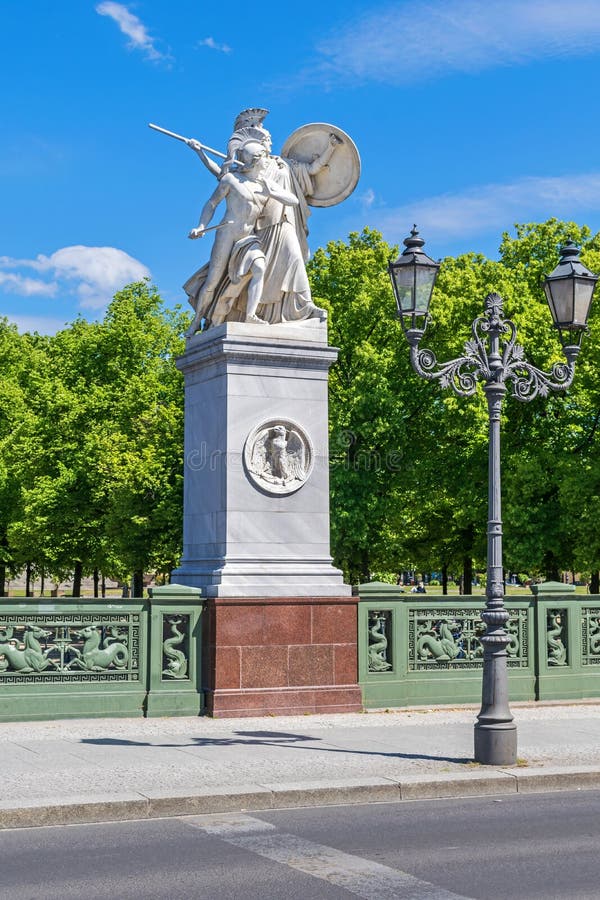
pixel 495 731
pixel 493 359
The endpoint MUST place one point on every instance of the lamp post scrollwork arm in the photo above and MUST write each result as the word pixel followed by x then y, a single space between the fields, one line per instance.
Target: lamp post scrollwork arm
pixel 504 360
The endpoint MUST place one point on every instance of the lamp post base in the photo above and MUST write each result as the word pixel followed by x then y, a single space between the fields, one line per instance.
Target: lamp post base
pixel 496 745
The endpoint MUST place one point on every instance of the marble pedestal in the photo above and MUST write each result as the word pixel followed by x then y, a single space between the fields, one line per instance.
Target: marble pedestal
pixel 279 627
pixel 242 539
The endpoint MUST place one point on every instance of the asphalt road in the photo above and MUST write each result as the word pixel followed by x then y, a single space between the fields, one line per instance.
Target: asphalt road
pixel 519 846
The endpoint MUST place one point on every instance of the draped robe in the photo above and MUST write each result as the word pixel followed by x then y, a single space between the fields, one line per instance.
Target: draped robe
pixel 280 237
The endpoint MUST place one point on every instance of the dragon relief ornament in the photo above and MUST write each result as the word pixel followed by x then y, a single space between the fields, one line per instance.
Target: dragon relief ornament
pixel 278 456
pixel 177 664
pixel 378 642
pixel 28 657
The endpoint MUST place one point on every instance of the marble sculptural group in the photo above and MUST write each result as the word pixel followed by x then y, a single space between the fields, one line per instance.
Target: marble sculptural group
pixel 256 271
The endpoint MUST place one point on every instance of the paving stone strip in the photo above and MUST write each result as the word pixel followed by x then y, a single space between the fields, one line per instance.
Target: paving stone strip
pixel 75 771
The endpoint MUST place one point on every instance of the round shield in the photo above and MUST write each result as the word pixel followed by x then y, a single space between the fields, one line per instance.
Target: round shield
pixel 339 177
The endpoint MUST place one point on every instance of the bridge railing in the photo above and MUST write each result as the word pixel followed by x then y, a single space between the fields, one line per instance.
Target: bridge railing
pixel 422 649
pixel 81 658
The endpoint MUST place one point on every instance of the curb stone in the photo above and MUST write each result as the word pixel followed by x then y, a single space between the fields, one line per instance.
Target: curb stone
pixel 156 804
pixel 535 779
pixel 462 784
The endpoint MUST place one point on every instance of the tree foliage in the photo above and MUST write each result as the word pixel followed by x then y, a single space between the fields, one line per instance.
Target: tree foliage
pixel 97 457
pixel 91 428
pixel 429 508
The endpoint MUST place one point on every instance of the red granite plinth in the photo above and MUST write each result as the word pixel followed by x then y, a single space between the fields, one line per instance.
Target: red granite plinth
pixel 280 656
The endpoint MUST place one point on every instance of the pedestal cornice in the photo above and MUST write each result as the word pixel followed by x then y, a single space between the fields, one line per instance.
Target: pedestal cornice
pixel 282 345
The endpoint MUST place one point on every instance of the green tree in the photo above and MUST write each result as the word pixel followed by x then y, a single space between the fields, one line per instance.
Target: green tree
pixel 19 364
pixel 59 524
pixel 141 460
pixel 429 507
pixel 368 431
pixel 102 453
pixel 553 474
pixel 396 501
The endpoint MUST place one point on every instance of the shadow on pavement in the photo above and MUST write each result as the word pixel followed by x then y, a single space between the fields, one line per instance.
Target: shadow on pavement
pixel 271 739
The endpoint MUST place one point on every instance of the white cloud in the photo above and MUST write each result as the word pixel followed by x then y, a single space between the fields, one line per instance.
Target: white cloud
pixel 27 287
pixel 493 207
pixel 402 43
pixel 133 28
pixel 94 274
pixel 9 262
pixel 214 45
pixel 367 199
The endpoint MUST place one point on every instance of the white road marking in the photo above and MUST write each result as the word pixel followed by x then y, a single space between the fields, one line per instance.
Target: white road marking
pixel 228 825
pixel 362 877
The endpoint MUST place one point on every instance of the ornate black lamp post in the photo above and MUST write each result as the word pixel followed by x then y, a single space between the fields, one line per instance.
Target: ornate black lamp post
pixel 493 357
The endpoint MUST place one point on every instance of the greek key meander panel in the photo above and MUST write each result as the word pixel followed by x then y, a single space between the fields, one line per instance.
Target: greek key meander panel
pixel 68 648
pixel 450 639
pixel 590 636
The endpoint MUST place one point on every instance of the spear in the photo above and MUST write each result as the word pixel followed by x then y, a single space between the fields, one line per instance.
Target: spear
pixel 180 137
pixel 213 227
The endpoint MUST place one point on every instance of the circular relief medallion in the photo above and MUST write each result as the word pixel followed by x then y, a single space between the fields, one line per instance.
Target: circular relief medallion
pixel 278 456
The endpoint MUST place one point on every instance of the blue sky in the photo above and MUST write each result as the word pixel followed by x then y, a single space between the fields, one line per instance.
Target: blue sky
pixel 468 115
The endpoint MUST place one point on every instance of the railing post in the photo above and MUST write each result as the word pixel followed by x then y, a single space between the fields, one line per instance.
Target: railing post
pixel 174 684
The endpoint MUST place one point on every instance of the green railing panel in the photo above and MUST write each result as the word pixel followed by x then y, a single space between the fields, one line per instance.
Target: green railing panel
pixel 72 659
pixel 81 658
pixel 422 649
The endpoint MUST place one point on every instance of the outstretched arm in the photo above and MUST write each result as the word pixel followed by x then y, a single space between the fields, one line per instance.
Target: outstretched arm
pixel 208 210
pixel 322 160
pixel 210 164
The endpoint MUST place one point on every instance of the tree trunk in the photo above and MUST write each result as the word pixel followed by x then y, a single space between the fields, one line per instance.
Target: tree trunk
pixel 77 576
pixel 595 583
pixel 28 580
pixel 445 580
pixel 42 583
pixel 468 575
pixel 3 581
pixel 96 581
pixel 365 575
pixel 103 588
pixel 550 566
pixel 138 584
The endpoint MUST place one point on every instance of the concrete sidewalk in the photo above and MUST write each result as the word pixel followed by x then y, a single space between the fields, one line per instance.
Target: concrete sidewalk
pixel 105 769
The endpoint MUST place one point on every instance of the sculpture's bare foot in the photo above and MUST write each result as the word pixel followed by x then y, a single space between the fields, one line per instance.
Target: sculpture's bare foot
pixel 319 313
pixel 193 328
pixel 255 320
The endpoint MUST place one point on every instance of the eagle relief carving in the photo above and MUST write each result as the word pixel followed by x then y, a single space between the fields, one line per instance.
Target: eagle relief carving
pixel 278 456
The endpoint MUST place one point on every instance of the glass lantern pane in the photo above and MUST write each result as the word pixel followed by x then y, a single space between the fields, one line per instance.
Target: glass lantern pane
pixel 404 297
pixel 559 292
pixel 404 285
pixel 548 294
pixel 425 278
pixel 584 289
